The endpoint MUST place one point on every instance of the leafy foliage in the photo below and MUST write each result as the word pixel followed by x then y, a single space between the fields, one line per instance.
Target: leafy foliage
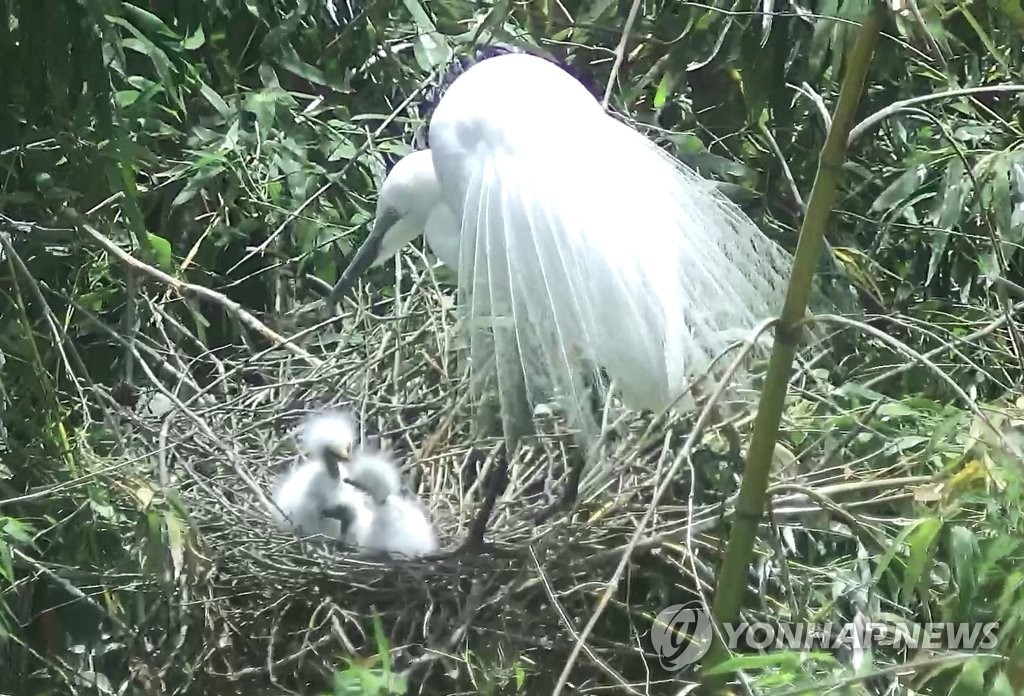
pixel 238 145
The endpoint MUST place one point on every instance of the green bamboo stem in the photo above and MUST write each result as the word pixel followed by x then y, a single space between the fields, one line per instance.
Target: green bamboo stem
pixel 750 503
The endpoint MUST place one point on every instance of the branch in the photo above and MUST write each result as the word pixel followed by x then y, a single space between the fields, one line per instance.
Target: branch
pixel 189 289
pixel 750 503
pixel 882 114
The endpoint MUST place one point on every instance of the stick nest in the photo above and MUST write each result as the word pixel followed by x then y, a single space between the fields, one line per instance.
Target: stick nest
pixel 239 607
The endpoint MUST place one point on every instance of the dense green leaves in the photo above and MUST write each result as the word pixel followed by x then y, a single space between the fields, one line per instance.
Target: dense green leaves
pixel 238 144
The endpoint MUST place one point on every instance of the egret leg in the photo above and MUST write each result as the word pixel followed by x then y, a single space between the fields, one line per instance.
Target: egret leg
pixel 497 481
pixel 577 463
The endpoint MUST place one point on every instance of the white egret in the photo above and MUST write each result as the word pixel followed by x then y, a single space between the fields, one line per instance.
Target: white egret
pixel 400 524
pixel 319 484
pixel 581 244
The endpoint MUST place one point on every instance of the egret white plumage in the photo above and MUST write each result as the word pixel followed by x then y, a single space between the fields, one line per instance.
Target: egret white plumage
pixel 350 495
pixel 414 207
pixel 581 244
pixel 319 484
pixel 400 524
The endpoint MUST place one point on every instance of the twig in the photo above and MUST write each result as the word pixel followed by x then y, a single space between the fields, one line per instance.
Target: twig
pixel 229 305
pixel 620 53
pixel 874 119
pixel 777 151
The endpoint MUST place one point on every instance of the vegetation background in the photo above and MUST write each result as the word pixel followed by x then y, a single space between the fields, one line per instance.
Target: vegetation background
pixel 237 145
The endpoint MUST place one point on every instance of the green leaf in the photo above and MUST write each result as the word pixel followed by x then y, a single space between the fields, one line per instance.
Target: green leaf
pixel 380 637
pixel 188 192
pixel 1001 686
pixel 263 105
pixel 495 18
pixel 420 16
pixel 520 676
pixel 905 185
pixel 126 97
pixel 906 442
pixel 215 101
pixel 268 77
pixel 175 542
pixel 859 392
pixel 147 21
pixel 143 45
pixel 195 40
pixel 783 659
pixel 665 87
pixel 6 562
pixel 342 148
pixel 17 530
pixel 964 552
pixel 290 61
pixel 895 410
pixel 1008 596
pixel 430 51
pixel 999 548
pixel 161 251
pixel 594 11
pixel 894 548
pixel 920 543
pixel 971 681
pixel 956 188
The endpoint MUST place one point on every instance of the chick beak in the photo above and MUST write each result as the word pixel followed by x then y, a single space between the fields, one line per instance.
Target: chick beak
pixel 334 458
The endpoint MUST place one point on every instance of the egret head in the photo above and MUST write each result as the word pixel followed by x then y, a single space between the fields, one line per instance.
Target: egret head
pixel 406 200
pixel 409 195
pixel 330 437
pixel 376 474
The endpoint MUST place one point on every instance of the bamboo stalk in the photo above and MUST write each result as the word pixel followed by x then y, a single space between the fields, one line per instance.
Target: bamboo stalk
pixel 750 503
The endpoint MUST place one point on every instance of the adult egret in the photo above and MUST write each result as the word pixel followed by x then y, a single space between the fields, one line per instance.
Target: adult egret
pixel 581 244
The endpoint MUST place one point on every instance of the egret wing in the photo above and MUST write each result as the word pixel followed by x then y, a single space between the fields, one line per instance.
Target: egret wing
pixel 521 299
pixel 618 258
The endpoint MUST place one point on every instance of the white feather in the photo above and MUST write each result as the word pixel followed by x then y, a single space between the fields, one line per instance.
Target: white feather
pixel 411 193
pixel 331 431
pixel 310 488
pixel 581 245
pixel 601 248
pixel 400 524
pixel 301 496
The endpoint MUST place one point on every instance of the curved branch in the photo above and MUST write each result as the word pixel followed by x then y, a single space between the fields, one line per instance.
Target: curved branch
pixel 882 114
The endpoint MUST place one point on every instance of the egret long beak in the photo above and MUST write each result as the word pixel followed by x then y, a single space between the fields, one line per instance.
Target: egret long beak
pixel 365 257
